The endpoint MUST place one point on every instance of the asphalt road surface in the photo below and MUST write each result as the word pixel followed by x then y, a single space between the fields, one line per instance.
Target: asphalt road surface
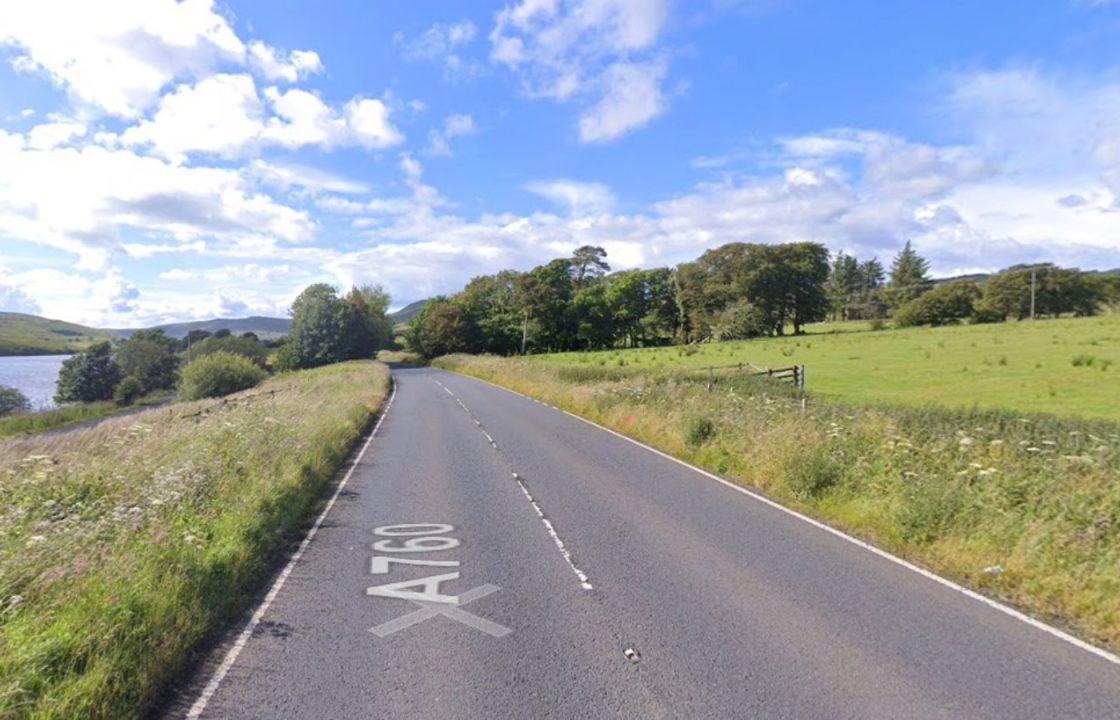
pixel 595 578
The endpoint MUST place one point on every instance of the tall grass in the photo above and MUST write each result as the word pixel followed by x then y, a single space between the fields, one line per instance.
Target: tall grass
pixel 1024 507
pixel 125 546
pixel 69 415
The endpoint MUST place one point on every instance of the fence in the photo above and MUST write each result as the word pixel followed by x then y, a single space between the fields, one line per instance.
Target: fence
pixel 794 374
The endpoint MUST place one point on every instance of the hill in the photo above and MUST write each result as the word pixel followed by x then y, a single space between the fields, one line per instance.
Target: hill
pixel 22 334
pixel 266 328
pixel 408 312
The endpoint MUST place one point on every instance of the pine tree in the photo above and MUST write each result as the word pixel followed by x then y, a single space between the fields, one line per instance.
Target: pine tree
pixel 909 277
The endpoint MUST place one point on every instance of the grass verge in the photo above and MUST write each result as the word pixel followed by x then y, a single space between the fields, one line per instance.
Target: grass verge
pixel 1023 507
pixel 125 546
pixel 69 415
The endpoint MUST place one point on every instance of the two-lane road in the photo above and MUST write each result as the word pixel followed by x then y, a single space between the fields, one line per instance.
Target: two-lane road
pixel 596 578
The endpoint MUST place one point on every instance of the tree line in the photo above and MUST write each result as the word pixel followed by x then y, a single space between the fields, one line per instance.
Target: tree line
pixel 325 328
pixel 735 291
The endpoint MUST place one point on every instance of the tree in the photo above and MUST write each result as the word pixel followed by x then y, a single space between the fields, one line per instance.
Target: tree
pixel 247 347
pixel 13 401
pixel 544 294
pixel 594 318
pixel 150 357
pixel 1057 291
pixel 368 328
pixel 317 333
pixel 588 264
pixel 443 327
pixel 222 332
pixel 845 280
pixel 192 338
pixel 88 376
pixel 492 301
pixel 909 276
pixel 740 320
pixel 804 266
pixel 943 305
pixel 872 276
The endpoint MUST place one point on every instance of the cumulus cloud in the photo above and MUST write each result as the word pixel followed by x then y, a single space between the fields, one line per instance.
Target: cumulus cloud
pixel 117 55
pixel 271 63
pixel 601 53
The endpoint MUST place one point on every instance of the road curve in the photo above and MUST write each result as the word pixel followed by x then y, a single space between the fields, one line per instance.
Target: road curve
pixel 598 579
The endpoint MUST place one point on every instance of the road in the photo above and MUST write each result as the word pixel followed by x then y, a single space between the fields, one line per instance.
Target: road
pixel 596 578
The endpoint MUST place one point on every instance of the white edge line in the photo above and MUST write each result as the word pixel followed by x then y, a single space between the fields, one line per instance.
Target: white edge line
pixel 231 656
pixel 994 604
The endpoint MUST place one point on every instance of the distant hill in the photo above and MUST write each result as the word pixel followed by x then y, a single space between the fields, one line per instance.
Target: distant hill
pixel 22 334
pixel 266 328
pixel 408 312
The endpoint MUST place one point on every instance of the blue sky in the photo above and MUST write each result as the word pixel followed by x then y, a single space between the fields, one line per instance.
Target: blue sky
pixel 166 161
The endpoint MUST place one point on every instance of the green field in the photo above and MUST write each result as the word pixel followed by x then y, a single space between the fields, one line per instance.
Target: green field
pixel 32 335
pixel 1021 366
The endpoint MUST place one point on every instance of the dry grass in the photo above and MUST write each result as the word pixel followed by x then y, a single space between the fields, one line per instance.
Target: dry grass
pixel 1024 507
pixel 125 546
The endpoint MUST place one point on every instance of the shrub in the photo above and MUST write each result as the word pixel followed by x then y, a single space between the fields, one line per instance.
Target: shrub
pixel 700 431
pixel 1083 360
pixel 943 305
pixel 983 313
pixel 877 324
pixel 13 401
pixel 217 374
pixel 128 391
pixel 811 471
pixel 246 347
pixel 740 320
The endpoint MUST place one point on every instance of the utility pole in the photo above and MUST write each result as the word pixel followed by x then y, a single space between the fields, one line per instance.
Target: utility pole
pixel 524 330
pixel 1034 285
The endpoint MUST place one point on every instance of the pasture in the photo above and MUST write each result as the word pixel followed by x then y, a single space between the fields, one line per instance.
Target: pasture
pixel 1068 366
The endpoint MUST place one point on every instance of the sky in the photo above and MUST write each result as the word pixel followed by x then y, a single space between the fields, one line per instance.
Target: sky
pixel 165 161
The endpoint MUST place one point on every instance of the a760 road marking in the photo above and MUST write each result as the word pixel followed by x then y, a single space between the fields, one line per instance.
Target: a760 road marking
pixel 414 538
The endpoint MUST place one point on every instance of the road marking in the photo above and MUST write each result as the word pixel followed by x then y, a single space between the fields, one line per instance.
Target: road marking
pixel 928 574
pixel 231 656
pixel 455 612
pixel 584 582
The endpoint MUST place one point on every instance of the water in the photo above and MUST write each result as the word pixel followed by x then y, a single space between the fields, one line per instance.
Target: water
pixel 32 375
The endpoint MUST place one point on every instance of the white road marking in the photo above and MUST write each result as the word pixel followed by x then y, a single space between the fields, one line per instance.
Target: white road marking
pixel 584 581
pixel 231 656
pixel 994 604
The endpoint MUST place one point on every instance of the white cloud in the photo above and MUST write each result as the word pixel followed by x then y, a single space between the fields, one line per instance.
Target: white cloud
pixel 304 119
pixel 579 198
pixel 53 134
pixel 439 141
pixel 291 177
pixel 631 97
pixel 82 200
pixel 594 51
pixel 116 55
pixel 443 44
pixel 176 274
pixel 271 63
pixel 220 114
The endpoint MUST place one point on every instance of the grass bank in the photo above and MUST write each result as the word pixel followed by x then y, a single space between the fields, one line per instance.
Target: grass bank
pixel 1069 366
pixel 125 546
pixel 70 415
pixel 1023 507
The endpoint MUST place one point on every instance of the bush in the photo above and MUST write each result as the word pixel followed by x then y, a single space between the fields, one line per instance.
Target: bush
pixel 984 313
pixel 128 391
pixel 13 401
pixel 943 305
pixel 877 324
pixel 812 470
pixel 217 374
pixel 741 320
pixel 249 348
pixel 700 431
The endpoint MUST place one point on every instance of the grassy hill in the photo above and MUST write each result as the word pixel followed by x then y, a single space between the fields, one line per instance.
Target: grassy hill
pixel 266 328
pixel 32 335
pixel 1065 367
pixel 22 334
pixel 408 312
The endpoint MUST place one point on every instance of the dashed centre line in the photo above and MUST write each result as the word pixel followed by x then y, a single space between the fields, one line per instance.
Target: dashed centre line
pixel 584 581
